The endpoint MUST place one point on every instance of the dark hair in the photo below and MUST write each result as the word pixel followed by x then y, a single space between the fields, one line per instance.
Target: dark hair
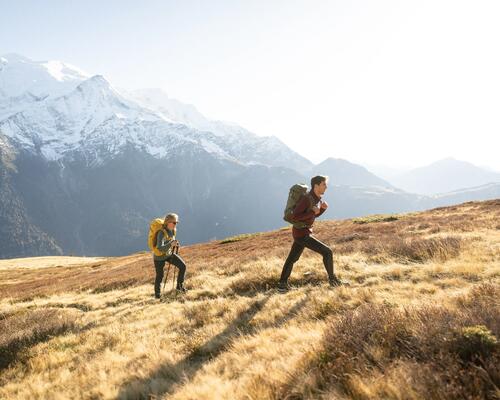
pixel 318 179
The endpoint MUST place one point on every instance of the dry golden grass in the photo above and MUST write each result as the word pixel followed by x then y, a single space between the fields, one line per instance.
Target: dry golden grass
pixel 420 319
pixel 47 262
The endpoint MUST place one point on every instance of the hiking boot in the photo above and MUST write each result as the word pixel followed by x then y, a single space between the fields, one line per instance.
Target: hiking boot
pixel 334 282
pixel 283 287
pixel 180 288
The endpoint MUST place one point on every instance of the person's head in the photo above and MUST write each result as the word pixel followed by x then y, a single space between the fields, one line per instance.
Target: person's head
pixel 171 221
pixel 319 184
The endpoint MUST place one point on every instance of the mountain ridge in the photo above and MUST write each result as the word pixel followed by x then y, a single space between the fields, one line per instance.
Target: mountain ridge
pixel 443 176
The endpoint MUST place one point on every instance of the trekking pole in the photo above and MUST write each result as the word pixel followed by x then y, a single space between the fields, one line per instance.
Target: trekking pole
pixel 166 276
pixel 168 272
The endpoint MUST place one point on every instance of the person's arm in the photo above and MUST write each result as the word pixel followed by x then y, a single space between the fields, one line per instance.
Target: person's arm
pixel 162 242
pixel 323 208
pixel 301 212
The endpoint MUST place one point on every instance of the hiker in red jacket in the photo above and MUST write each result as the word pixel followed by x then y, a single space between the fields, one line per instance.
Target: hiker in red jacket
pixel 308 208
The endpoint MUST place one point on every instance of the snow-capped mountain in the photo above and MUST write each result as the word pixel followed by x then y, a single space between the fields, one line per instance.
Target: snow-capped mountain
pixel 57 110
pixel 93 120
pixel 96 122
pixel 83 167
pixel 170 109
pixel 24 82
pixel 241 143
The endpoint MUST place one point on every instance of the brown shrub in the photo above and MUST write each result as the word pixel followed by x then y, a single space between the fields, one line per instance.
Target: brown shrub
pixel 238 238
pixel 375 218
pixel 421 250
pixel 250 287
pixel 454 352
pixel 351 237
pixel 423 226
pixel 415 249
pixel 26 329
pixel 475 342
pixel 435 229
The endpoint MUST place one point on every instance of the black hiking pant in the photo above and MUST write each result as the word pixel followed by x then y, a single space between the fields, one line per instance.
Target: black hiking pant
pixel 159 266
pixel 298 247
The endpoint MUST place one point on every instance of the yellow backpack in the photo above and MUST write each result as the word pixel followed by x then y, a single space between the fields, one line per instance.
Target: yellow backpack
pixel 155 226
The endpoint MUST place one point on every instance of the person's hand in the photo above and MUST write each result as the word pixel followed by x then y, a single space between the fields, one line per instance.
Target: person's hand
pixel 175 243
pixel 324 205
pixel 316 210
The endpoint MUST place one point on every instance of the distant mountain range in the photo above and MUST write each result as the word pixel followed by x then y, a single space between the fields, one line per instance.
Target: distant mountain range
pixel 343 172
pixel 84 167
pixel 444 176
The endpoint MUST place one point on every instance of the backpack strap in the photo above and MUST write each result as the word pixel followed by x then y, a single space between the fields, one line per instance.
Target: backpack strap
pixel 155 240
pixel 156 250
pixel 302 225
pixel 311 201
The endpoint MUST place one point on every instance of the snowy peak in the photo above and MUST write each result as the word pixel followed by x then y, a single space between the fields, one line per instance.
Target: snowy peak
pixel 91 116
pixel 20 75
pixel 98 90
pixel 13 58
pixel 95 100
pixel 24 82
pixel 96 81
pixel 64 72
pixel 170 109
pixel 173 110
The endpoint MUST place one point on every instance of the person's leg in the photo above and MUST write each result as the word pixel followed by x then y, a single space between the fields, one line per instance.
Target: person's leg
pixel 293 256
pixel 159 276
pixel 176 260
pixel 315 245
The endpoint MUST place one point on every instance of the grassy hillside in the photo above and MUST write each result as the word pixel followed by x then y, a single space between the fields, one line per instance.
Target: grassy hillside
pixel 420 320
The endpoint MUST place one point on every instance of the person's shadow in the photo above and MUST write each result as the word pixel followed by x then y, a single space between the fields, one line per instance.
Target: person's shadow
pixel 164 379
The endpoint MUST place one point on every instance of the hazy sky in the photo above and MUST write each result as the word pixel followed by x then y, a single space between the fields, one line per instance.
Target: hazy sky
pixel 381 82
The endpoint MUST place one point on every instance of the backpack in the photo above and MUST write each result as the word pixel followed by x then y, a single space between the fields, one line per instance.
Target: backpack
pixel 296 193
pixel 155 226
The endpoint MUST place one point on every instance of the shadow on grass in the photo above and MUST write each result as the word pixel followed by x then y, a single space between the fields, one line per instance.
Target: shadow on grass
pixel 163 380
pixel 250 287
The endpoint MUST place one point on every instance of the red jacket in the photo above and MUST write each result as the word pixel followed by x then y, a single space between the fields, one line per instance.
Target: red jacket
pixel 303 213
